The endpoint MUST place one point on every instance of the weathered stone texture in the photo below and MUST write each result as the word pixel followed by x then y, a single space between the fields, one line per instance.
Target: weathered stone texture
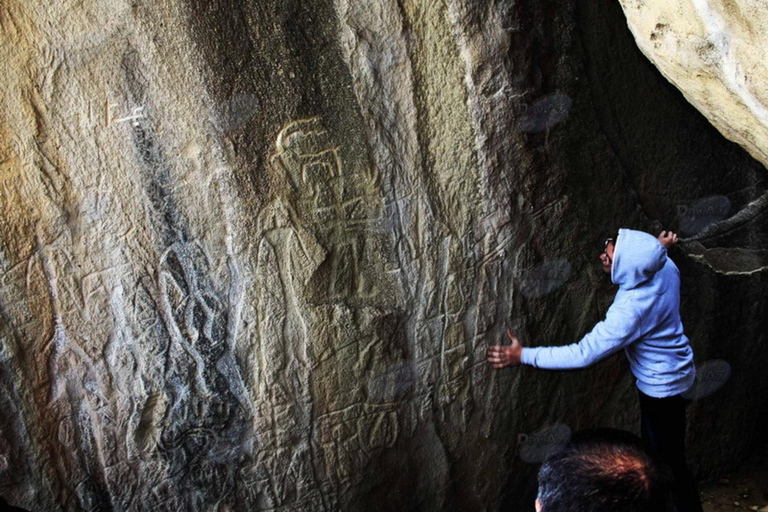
pixel 252 253
pixel 714 52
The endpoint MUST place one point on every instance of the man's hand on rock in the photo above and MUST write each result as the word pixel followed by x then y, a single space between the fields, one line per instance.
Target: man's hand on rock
pixel 501 356
pixel 667 239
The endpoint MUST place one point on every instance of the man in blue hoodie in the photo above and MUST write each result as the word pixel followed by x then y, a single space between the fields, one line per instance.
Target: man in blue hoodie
pixel 644 320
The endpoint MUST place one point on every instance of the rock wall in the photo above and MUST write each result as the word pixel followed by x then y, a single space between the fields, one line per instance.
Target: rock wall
pixel 253 253
pixel 714 53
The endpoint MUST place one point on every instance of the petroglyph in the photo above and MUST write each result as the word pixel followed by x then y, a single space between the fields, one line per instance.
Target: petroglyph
pixel 185 309
pixel 122 355
pixel 61 345
pixel 344 208
pixel 136 114
pixel 284 366
pixel 147 433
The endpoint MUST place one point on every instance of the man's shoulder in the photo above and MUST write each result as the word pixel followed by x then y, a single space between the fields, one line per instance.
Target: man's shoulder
pixel 642 298
pixel 628 302
pixel 669 265
pixel 670 275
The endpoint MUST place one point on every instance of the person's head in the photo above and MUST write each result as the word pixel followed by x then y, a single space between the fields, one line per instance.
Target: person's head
pixel 606 257
pixel 603 470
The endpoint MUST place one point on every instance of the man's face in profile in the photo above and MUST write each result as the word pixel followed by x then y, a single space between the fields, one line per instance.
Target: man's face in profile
pixel 606 257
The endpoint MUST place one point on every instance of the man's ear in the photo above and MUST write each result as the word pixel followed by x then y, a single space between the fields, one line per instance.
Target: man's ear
pixel 538 506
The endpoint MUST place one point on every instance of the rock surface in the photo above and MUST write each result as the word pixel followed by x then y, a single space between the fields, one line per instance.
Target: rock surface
pixel 714 52
pixel 252 253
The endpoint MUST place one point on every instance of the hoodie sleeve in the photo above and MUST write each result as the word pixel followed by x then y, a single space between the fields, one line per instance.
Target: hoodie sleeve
pixel 620 328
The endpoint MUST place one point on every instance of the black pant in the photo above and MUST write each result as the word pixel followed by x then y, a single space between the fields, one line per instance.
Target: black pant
pixel 662 425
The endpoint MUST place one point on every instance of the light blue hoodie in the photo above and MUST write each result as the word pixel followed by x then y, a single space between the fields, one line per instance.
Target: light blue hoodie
pixel 644 320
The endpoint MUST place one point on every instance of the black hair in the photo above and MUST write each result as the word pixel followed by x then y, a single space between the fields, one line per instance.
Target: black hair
pixel 604 470
pixel 602 243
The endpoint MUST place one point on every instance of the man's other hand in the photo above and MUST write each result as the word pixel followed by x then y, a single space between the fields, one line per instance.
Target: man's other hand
pixel 667 239
pixel 501 356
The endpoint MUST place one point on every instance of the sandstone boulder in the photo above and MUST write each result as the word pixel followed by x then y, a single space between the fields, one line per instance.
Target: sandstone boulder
pixel 252 254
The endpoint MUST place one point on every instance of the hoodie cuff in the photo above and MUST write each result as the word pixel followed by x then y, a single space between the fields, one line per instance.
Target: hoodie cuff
pixel 528 356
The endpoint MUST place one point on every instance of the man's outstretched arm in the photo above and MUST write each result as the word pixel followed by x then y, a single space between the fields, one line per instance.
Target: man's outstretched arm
pixel 620 328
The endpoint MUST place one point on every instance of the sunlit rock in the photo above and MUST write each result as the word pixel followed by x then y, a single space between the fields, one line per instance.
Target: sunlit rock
pixel 714 52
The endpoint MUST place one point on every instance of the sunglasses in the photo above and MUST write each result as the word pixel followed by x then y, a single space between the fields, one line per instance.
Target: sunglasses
pixel 605 248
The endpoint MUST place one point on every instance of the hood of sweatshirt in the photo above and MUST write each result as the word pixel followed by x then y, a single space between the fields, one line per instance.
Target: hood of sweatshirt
pixel 637 257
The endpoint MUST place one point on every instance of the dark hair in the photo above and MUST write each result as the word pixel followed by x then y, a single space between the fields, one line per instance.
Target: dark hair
pixel 604 470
